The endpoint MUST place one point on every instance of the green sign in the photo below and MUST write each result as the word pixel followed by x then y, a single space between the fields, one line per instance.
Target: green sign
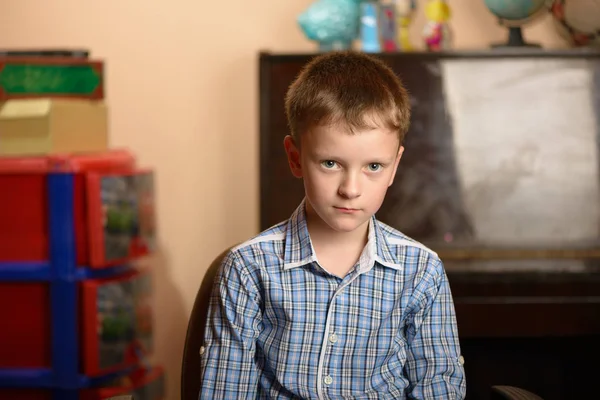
pixel 49 79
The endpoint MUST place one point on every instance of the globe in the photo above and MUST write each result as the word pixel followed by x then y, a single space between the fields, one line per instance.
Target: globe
pixel 333 24
pixel 513 14
pixel 514 10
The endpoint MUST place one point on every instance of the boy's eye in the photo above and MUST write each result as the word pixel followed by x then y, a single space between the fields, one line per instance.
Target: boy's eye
pixel 374 167
pixel 328 163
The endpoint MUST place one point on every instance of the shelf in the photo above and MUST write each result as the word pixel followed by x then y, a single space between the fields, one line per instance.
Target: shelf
pixel 40 271
pixel 487 52
pixel 83 273
pixel 59 285
pixel 26 377
pixel 86 381
pixel 43 378
pixel 25 271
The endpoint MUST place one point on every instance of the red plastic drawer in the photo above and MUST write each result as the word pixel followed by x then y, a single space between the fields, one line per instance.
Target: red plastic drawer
pixel 116 328
pixel 121 216
pixel 113 206
pixel 25 339
pixel 115 323
pixel 142 384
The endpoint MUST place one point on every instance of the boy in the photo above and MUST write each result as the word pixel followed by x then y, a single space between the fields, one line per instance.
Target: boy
pixel 333 304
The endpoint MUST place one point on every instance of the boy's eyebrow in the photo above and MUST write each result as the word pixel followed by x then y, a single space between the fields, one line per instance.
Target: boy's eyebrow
pixel 374 159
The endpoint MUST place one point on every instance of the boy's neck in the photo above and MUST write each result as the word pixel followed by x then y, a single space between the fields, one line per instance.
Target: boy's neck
pixel 330 245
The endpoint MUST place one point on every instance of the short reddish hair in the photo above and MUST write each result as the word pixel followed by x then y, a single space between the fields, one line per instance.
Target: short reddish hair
pixel 347 87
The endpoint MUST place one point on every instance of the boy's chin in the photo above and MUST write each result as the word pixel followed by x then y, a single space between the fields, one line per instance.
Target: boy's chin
pixel 345 226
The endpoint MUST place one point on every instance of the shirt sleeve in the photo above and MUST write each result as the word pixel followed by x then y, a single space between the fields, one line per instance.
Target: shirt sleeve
pixel 434 364
pixel 228 369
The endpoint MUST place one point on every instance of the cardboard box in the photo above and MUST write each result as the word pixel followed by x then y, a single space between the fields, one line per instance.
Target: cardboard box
pixel 51 126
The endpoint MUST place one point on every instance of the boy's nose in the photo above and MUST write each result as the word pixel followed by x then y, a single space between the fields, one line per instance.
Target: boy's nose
pixel 349 188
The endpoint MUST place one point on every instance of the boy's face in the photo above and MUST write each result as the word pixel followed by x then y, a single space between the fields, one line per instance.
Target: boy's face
pixel 346 176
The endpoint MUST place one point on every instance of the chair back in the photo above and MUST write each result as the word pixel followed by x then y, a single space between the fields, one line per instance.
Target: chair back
pixel 505 392
pixel 190 370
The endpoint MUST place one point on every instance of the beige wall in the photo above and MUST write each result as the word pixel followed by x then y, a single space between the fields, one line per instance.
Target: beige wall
pixel 182 93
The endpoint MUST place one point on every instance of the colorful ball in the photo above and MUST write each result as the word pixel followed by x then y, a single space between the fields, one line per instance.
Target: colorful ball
pixel 578 21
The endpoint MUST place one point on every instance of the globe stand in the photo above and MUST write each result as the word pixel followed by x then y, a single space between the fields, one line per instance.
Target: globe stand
pixel 325 47
pixel 515 39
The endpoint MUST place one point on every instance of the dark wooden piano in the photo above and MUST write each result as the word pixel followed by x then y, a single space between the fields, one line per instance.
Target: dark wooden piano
pixel 501 177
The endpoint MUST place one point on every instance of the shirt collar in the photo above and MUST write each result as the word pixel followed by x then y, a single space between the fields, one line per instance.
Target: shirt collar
pixel 299 251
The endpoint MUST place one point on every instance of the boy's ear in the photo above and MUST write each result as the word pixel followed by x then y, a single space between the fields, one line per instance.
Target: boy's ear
pixel 293 155
pixel 398 157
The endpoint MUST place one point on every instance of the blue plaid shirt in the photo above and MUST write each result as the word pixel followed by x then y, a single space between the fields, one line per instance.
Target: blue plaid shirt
pixel 280 326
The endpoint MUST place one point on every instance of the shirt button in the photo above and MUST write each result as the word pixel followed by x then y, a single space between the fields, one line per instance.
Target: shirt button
pixel 333 338
pixel 202 349
pixel 328 380
pixel 461 360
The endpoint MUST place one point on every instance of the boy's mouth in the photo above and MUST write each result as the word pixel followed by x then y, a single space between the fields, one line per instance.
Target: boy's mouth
pixel 346 210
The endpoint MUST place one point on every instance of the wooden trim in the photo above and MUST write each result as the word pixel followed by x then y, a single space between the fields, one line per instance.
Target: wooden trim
pixel 582 52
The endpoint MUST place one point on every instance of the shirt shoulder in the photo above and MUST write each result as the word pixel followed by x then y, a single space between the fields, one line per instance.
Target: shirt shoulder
pixel 397 239
pixel 406 251
pixel 274 234
pixel 260 247
pixel 247 261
